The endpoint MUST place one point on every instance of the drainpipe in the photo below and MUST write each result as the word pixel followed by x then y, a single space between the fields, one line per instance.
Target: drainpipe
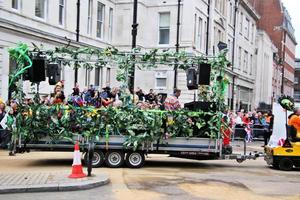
pixel 233 52
pixel 207 26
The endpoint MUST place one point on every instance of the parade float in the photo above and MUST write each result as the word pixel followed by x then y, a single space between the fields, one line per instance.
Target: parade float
pixel 122 134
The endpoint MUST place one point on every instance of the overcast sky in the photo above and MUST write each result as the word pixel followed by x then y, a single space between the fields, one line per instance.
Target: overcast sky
pixel 293 6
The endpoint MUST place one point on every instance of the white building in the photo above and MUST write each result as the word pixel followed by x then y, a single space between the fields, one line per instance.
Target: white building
pixel 203 24
pixel 157 29
pixel 245 52
pixel 264 69
pixel 49 22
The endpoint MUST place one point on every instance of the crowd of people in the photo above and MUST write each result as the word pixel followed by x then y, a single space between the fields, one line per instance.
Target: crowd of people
pixel 90 97
pixel 246 122
pixel 243 121
pixel 111 97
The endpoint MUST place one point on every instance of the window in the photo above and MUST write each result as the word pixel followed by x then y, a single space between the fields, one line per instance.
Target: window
pixel 205 31
pixel 164 28
pixel 252 33
pixel 241 23
pixel 40 8
pixel 219 37
pixel 61 12
pixel 247 28
pixel 100 20
pixel 220 6
pixel 231 14
pixel 199 35
pixel 161 80
pixel 245 67
pixel 87 76
pixel 195 29
pixel 107 76
pixel 229 50
pixel 240 58
pixel 297 95
pixel 16 4
pixel 296 80
pixel 251 64
pixel 98 76
pixel 90 14
pixel 110 24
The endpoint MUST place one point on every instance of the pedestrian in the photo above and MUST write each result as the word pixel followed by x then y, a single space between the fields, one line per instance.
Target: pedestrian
pixel 268 133
pixel 2 129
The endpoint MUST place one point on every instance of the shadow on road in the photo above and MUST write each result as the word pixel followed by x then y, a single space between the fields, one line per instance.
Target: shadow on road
pixel 167 163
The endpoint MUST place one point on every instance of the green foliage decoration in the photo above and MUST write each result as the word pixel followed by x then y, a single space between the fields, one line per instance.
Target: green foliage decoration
pixel 141 128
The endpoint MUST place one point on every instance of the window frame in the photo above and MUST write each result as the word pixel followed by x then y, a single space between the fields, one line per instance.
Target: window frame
pixel 98 76
pixel 90 17
pixel 164 27
pixel 62 22
pixel 247 29
pixel 19 5
pixel 199 33
pixel 240 58
pixel 110 23
pixel 108 76
pixel 241 23
pixel 101 22
pixel 162 74
pixel 44 18
pixel 245 63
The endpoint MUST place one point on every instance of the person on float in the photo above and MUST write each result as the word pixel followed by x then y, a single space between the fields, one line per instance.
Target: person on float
pixel 58 96
pixel 172 102
pixel 75 98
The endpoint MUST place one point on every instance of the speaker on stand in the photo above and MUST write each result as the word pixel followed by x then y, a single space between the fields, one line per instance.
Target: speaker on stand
pixel 204 74
pixel 36 73
pixel 53 73
pixel 192 79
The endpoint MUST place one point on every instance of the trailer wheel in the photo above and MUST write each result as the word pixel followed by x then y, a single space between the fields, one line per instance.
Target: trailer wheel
pixel 98 159
pixel 114 159
pixel 286 164
pixel 135 159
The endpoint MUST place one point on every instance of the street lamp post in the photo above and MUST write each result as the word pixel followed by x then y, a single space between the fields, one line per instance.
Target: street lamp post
pixel 133 45
pixel 77 39
pixel 177 43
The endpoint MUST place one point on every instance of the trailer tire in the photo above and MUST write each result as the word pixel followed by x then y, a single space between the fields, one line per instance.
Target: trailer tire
pixel 98 159
pixel 135 159
pixel 114 159
pixel 286 164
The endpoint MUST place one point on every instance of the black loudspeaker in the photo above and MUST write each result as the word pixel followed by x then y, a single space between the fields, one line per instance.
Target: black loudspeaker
pixel 36 73
pixel 191 79
pixel 204 74
pixel 53 73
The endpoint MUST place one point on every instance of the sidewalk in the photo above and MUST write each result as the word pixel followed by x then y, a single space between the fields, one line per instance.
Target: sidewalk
pixel 46 182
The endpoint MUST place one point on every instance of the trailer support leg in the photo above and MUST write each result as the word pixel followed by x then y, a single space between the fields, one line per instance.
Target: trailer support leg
pixel 90 158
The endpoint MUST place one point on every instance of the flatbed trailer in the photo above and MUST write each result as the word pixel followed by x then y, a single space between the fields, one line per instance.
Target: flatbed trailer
pixel 112 152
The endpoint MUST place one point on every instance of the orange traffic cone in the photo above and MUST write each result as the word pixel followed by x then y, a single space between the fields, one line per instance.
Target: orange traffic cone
pixel 76 166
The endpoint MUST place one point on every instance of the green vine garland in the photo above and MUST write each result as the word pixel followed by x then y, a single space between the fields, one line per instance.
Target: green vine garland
pixel 140 127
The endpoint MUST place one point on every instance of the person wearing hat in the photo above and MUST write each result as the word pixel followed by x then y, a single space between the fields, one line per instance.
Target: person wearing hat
pixel 75 98
pixel 58 96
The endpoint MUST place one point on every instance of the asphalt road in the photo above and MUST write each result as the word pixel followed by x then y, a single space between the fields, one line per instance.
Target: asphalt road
pixel 165 178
